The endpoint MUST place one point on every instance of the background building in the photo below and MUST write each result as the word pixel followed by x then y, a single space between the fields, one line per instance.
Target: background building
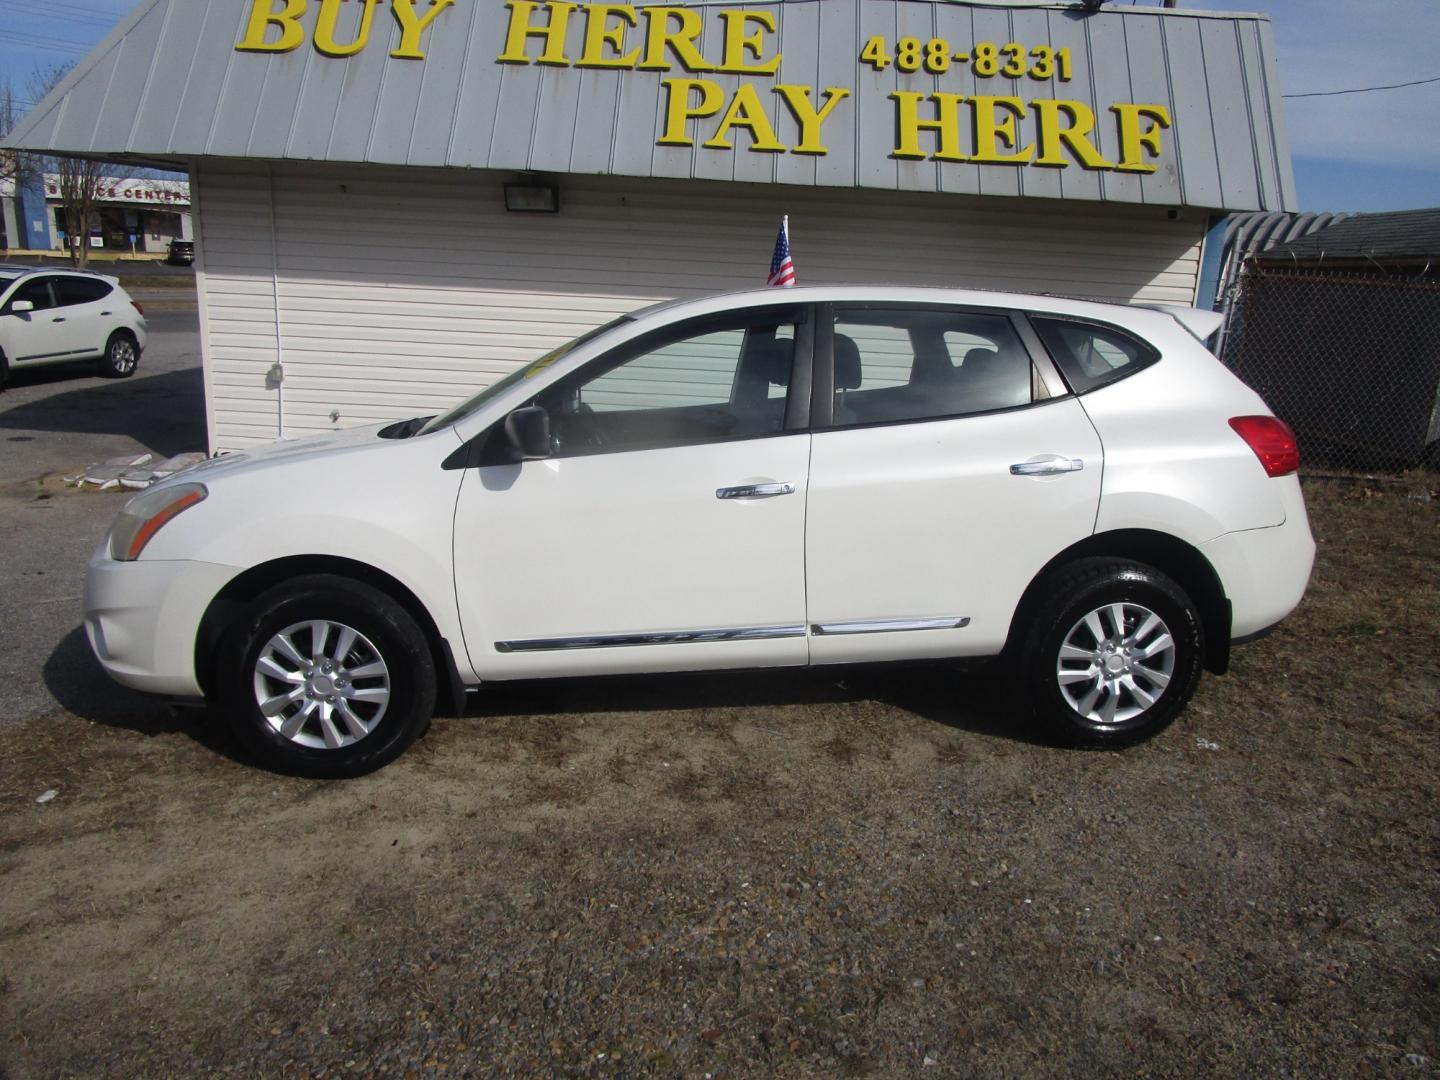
pixel 397 203
pixel 133 214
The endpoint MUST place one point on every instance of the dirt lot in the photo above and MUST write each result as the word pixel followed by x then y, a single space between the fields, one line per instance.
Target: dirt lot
pixel 843 873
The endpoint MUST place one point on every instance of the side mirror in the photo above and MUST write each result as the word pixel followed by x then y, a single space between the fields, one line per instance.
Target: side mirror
pixel 527 434
pixel 20 307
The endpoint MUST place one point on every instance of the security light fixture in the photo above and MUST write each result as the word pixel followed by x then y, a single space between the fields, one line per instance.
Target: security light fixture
pixel 532 197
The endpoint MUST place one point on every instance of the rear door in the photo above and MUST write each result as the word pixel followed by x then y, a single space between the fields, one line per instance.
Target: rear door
pixel 948 466
pixel 87 306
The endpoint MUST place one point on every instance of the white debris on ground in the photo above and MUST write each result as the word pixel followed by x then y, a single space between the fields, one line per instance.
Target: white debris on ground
pixel 132 471
pixel 46 796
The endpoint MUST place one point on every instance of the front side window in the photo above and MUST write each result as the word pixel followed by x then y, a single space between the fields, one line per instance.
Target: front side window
pixel 1091 355
pixel 37 292
pixel 712 381
pixel 897 364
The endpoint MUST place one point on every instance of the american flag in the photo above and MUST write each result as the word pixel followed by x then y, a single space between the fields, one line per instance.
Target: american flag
pixel 782 267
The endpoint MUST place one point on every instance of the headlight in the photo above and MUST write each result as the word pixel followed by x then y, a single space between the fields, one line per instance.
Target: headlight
pixel 145 515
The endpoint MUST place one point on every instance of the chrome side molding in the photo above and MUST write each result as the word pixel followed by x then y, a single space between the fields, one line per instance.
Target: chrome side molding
pixel 890 626
pixel 668 637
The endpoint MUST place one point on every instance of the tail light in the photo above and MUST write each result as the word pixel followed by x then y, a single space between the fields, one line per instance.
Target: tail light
pixel 1273 442
pixel 137 307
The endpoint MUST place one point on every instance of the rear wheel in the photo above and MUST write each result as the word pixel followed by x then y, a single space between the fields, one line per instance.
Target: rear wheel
pixel 122 355
pixel 4 371
pixel 327 677
pixel 1114 655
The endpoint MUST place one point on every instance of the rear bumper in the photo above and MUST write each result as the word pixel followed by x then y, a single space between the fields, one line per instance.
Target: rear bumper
pixel 142 619
pixel 1264 571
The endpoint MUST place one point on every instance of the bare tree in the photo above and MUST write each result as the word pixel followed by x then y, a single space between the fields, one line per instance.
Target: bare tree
pixel 75 182
pixel 9 116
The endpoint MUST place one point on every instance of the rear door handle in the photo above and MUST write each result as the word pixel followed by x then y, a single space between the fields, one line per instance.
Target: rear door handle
pixel 754 491
pixel 1053 465
pixel 58 318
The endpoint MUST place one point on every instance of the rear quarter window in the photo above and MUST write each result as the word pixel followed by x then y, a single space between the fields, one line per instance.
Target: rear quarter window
pixel 1090 355
pixel 80 290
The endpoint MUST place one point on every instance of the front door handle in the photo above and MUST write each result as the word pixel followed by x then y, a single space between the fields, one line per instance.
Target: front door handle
pixel 754 491
pixel 58 318
pixel 1053 465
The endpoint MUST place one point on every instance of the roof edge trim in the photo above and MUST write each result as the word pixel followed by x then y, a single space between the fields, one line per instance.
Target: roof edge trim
pixel 57 94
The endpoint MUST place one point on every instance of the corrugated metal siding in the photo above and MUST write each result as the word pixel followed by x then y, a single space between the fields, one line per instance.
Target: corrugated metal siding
pixel 402 291
pixel 172 84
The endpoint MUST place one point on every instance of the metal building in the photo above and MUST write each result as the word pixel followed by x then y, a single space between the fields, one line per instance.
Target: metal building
pixel 397 201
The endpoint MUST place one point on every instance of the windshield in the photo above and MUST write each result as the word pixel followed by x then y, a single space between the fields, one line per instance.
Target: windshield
pixel 529 371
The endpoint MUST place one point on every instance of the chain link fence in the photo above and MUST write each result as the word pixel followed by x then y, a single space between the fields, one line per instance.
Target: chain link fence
pixel 1351 362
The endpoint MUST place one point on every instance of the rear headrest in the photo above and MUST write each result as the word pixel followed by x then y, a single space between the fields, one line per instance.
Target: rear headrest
pixel 848 375
pixel 982 364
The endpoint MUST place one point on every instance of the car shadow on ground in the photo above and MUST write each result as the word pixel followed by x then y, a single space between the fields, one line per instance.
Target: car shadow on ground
pixel 164 413
pixel 80 686
pixel 963 698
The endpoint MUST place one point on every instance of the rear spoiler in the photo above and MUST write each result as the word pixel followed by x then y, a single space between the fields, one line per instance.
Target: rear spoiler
pixel 1201 324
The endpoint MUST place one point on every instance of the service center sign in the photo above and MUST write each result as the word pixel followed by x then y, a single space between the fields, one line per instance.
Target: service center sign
pixel 690 46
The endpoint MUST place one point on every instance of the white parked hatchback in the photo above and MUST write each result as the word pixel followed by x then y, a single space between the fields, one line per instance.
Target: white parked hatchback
pixel 50 315
pixel 818 476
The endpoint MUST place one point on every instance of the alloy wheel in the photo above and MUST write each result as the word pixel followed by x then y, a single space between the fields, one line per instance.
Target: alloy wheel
pixel 1115 663
pixel 321 684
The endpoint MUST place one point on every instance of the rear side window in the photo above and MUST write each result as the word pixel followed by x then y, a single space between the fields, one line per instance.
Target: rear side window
pixel 1091 355
pixel 70 291
pixel 912 363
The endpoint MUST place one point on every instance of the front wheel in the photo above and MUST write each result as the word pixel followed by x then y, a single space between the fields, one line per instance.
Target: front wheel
pixel 327 677
pixel 1115 654
pixel 122 356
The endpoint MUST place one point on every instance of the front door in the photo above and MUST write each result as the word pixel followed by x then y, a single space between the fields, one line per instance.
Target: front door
pixel 666 529
pixel 44 334
pixel 951 470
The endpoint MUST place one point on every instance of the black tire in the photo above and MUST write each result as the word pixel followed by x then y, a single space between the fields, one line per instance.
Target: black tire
pixel 4 371
pixel 122 356
pixel 385 632
pixel 1093 588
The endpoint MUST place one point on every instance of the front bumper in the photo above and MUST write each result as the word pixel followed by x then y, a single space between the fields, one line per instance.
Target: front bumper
pixel 142 619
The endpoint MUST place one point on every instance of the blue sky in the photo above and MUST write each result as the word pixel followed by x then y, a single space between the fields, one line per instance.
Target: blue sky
pixel 1370 151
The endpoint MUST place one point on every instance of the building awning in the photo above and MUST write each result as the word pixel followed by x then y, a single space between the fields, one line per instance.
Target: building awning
pixel 1124 104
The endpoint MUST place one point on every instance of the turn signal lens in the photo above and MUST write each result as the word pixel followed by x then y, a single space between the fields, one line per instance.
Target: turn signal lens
pixel 146 514
pixel 1273 442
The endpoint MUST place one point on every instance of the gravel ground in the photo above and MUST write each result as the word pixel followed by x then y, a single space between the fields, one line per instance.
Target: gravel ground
pixel 840 873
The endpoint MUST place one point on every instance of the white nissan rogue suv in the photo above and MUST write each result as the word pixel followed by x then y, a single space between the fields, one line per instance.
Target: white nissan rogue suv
pixel 771 478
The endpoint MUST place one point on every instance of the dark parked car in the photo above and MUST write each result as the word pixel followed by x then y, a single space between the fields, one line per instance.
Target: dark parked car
pixel 182 253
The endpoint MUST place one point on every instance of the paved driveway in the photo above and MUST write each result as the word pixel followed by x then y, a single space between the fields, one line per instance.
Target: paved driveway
pixel 53 422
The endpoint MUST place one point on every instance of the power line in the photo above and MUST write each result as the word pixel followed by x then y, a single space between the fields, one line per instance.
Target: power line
pixel 1365 89
pixel 72 15
pixel 38 41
